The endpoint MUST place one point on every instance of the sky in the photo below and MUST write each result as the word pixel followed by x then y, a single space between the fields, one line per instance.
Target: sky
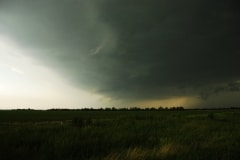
pixel 119 53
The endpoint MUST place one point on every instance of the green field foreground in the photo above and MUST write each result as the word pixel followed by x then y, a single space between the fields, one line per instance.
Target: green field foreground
pixel 120 135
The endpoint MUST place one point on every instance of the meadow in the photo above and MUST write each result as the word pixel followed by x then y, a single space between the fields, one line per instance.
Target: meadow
pixel 120 135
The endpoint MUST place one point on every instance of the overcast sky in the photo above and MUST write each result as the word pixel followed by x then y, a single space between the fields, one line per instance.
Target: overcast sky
pixel 104 53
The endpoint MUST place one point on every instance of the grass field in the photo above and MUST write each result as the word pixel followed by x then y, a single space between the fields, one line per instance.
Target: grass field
pixel 119 135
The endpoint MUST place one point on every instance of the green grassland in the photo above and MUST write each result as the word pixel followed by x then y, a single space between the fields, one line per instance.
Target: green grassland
pixel 119 135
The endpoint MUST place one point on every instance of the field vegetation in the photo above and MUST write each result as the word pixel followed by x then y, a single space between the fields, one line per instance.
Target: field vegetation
pixel 120 134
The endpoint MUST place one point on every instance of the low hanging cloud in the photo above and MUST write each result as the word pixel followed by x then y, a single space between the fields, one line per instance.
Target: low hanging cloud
pixel 129 49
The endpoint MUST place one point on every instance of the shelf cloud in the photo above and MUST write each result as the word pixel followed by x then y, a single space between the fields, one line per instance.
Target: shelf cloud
pixel 133 50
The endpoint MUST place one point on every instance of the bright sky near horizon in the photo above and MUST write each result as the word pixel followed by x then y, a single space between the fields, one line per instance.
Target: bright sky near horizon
pixel 119 53
pixel 24 83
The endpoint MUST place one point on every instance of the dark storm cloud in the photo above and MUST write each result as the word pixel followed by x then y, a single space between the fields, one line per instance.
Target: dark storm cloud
pixel 131 49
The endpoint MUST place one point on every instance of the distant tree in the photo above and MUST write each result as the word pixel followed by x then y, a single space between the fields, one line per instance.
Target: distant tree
pixel 160 108
pixel 123 109
pixel 135 108
pixel 114 109
pixel 152 109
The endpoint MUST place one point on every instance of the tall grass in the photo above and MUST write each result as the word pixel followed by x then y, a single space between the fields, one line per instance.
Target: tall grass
pixel 120 135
